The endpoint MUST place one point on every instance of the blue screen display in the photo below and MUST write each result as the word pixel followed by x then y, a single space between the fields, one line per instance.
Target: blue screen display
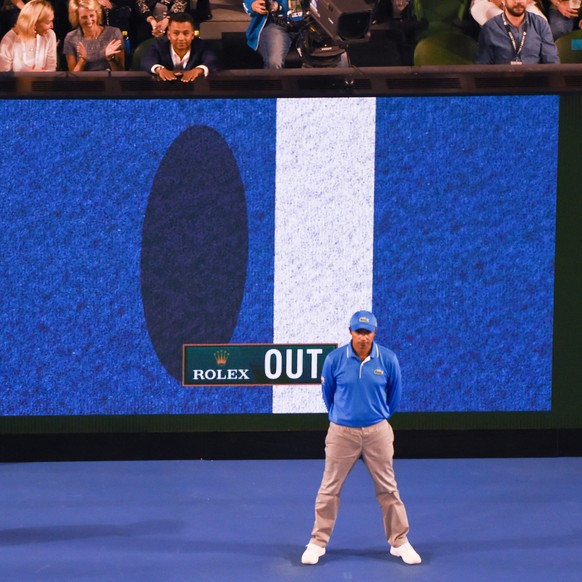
pixel 129 228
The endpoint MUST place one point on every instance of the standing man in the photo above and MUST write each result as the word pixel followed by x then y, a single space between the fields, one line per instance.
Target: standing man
pixel 179 55
pixel 361 388
pixel 516 37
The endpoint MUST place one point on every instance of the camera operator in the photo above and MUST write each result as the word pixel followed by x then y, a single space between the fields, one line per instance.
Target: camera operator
pixel 276 26
pixel 273 29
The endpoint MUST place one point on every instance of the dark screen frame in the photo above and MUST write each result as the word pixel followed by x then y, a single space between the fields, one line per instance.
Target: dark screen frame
pixel 567 343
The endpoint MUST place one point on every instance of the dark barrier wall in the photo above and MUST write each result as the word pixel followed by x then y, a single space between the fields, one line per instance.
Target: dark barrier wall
pixel 130 227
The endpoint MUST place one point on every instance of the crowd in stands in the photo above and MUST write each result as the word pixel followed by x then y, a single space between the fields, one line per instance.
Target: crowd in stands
pixel 86 35
pixel 93 35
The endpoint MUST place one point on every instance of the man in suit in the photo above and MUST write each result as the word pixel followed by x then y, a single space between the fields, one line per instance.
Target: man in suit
pixel 179 55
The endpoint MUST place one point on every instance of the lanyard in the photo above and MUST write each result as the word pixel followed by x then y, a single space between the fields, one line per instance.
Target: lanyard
pixel 517 50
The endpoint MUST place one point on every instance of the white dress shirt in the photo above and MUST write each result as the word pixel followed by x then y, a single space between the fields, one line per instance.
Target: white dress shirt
pixel 180 63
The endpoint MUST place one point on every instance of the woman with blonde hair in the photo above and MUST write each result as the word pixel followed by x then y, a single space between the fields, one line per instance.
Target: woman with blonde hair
pixel 32 44
pixel 92 46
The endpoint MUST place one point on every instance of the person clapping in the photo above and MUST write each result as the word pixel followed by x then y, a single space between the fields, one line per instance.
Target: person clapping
pixel 92 46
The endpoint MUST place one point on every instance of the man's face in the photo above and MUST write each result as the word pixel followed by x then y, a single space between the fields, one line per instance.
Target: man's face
pixel 516 7
pixel 181 35
pixel 362 339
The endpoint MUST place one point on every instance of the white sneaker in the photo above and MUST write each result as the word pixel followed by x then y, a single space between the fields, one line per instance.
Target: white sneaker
pixel 312 554
pixel 407 553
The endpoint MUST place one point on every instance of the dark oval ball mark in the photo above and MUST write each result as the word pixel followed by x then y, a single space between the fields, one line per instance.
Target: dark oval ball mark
pixel 194 247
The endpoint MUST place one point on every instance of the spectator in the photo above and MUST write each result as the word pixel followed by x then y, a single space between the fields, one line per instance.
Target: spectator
pixel 31 45
pixel 516 37
pixel 273 29
pixel 155 17
pixel 90 46
pixel 563 17
pixel 483 10
pixel 179 55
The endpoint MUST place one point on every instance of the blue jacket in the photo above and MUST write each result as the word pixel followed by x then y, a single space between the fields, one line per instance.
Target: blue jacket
pixel 361 393
pixel 258 21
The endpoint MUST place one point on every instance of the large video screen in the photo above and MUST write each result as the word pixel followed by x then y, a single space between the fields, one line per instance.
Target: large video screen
pixel 132 227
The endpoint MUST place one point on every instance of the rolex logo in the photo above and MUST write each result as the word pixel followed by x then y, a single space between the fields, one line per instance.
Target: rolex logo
pixel 256 364
pixel 221 357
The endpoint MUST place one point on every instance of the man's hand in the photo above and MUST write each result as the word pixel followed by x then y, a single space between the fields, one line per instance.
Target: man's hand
pixel 564 9
pixel 191 75
pixel 260 7
pixel 163 26
pixel 156 30
pixel 165 74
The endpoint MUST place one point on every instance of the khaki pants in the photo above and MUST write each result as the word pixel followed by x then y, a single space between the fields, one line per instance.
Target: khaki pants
pixel 343 447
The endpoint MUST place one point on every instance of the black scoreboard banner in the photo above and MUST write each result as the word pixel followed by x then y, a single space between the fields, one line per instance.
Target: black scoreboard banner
pixel 253 364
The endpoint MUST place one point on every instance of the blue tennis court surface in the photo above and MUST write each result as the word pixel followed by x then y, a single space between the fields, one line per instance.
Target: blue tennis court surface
pixel 477 519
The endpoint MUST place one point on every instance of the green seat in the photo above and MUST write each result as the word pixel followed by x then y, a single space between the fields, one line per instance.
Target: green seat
pixel 139 52
pixel 569 53
pixel 439 15
pixel 446 48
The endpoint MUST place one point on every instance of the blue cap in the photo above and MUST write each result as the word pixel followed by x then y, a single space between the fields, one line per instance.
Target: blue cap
pixel 363 320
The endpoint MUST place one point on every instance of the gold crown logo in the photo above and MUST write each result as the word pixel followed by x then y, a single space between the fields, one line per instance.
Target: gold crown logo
pixel 221 357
